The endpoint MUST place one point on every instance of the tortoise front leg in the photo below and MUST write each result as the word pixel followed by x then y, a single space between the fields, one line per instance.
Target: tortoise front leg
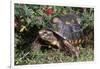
pixel 72 50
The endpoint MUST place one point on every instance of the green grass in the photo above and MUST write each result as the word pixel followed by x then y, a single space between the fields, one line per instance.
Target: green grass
pixel 52 56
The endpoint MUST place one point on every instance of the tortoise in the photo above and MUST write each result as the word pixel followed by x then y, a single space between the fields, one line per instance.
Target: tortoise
pixel 68 35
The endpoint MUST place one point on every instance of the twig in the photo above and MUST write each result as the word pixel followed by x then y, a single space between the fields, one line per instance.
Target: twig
pixel 24 55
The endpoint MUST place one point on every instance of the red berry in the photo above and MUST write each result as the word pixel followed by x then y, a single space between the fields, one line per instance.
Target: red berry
pixel 49 11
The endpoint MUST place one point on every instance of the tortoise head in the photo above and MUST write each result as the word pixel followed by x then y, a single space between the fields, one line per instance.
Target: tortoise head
pixel 48 36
